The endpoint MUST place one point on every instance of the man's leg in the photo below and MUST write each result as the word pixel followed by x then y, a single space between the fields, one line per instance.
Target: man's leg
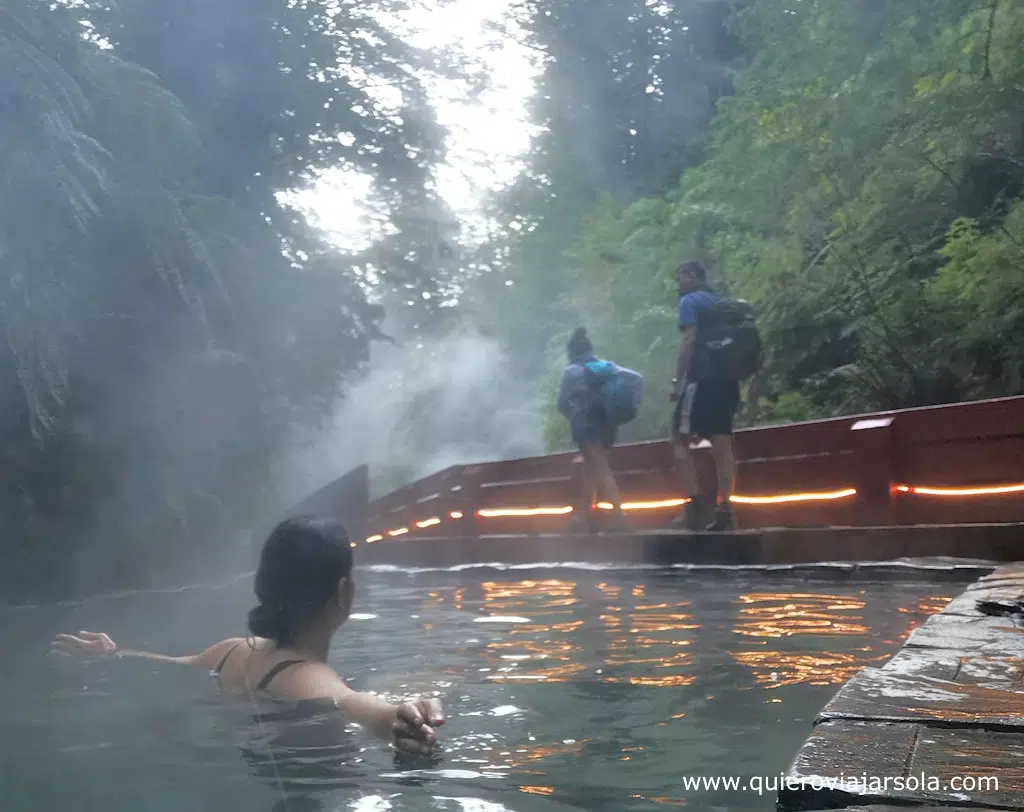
pixel 692 517
pixel 590 484
pixel 582 513
pixel 725 465
pixel 607 487
pixel 719 421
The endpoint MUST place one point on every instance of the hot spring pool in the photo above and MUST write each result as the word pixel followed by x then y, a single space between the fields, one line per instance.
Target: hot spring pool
pixel 566 690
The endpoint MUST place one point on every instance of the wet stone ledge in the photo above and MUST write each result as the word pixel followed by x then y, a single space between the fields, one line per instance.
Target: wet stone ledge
pixel 939 726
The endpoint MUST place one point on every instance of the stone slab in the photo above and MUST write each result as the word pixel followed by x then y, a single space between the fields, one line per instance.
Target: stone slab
pixel 978 635
pixel 1002 589
pixel 917 808
pixel 987 695
pixel 846 763
pixel 1010 570
pixel 949 704
pixel 925 662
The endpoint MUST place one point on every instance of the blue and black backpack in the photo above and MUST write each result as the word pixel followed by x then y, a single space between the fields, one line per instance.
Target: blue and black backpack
pixel 728 329
pixel 619 390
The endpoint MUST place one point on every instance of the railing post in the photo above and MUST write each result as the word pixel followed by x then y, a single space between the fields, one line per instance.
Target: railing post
pixel 464 498
pixel 576 486
pixel 873 471
pixel 667 467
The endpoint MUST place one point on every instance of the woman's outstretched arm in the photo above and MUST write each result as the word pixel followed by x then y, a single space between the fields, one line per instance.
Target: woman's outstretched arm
pixel 98 644
pixel 412 725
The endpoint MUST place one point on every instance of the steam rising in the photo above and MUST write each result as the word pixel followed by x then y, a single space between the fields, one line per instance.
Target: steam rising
pixel 422 407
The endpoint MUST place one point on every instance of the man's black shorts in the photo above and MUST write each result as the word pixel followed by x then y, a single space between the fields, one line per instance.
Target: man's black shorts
pixel 711 405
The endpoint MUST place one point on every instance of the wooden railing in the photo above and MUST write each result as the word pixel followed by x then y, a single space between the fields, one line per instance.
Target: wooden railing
pixel 962 463
pixel 346 499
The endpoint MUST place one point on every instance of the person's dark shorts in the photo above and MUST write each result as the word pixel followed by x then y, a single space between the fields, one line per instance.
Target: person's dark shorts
pixel 590 427
pixel 711 404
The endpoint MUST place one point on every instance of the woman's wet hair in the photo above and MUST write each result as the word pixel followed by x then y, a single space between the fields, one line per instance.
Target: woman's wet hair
pixel 301 565
pixel 579 343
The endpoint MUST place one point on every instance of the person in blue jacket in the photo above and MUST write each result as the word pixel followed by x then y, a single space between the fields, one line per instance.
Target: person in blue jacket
pixel 705 408
pixel 592 432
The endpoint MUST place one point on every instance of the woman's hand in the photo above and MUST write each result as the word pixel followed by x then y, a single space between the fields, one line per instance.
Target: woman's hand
pixel 414 729
pixel 84 644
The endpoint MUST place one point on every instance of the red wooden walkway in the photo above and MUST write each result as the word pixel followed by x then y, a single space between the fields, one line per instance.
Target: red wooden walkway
pixel 956 464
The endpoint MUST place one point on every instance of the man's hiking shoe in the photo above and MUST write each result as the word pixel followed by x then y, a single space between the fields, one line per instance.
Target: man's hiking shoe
pixel 694 516
pixel 723 520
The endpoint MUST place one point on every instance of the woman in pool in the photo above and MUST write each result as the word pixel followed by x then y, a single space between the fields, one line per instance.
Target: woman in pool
pixel 304 587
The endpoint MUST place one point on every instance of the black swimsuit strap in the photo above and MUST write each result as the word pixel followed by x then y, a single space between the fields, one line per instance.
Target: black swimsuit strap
pixel 273 672
pixel 224 659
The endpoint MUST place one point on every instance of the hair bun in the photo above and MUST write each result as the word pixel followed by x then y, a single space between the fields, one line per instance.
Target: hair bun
pixel 265 622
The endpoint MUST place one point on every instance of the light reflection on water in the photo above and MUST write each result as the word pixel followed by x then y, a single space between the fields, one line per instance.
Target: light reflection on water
pixel 596 693
pixel 768 616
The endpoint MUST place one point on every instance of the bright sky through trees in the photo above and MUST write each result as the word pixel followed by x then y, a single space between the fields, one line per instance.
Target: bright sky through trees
pixel 488 133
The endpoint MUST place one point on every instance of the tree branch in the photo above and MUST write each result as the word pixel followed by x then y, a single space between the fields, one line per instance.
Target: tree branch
pixel 986 72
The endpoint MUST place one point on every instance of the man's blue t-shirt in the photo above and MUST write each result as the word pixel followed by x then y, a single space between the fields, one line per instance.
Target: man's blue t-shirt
pixel 691 306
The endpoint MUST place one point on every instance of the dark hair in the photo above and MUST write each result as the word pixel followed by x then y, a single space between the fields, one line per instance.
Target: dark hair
pixel 301 565
pixel 579 344
pixel 694 269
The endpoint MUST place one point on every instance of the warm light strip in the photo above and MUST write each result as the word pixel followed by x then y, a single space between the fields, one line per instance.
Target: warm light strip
pixel 992 490
pixel 664 503
pixel 541 511
pixel 793 497
pixel 670 503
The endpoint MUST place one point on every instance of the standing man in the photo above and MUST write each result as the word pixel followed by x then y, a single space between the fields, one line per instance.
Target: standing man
pixel 706 403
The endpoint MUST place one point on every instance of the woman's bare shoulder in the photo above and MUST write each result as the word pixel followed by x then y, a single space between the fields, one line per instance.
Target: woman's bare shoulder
pixel 212 656
pixel 308 680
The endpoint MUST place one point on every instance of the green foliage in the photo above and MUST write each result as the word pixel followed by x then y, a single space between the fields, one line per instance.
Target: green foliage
pixel 627 92
pixel 979 293
pixel 861 186
pixel 168 323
